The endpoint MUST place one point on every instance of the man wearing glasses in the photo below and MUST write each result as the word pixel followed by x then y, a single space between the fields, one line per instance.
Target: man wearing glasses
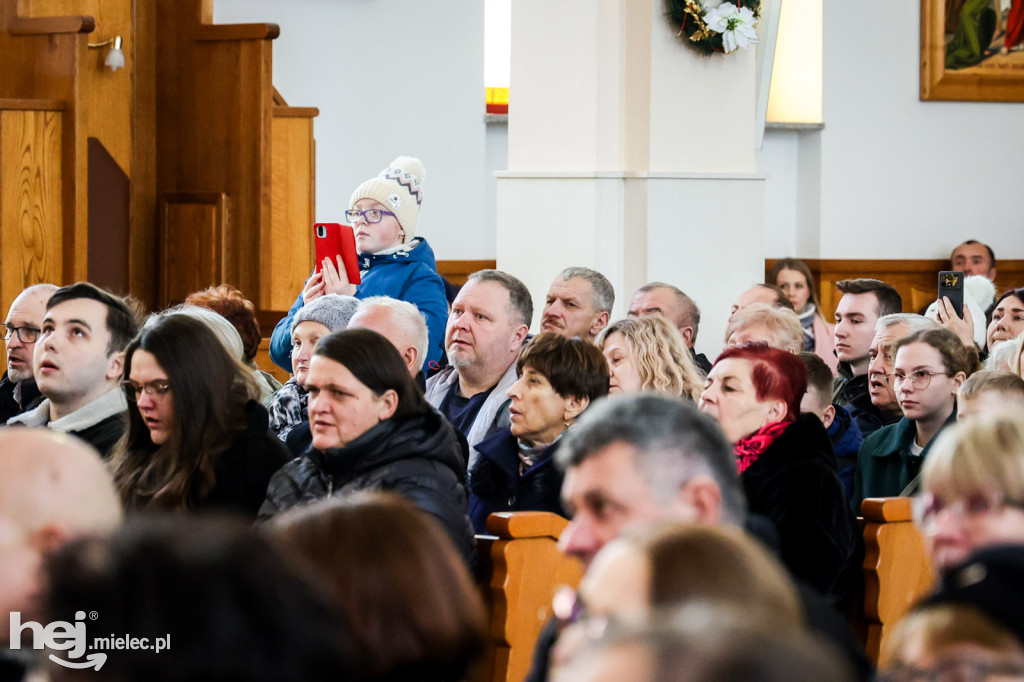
pixel 78 363
pixel 18 391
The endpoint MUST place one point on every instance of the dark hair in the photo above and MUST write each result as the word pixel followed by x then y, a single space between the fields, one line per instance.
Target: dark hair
pixel 889 300
pixel 234 608
pixel 375 362
pixel 776 374
pixel 671 440
pixel 121 323
pixel 397 579
pixel 232 304
pixel 687 304
pixel 519 300
pixel 801 267
pixel 991 253
pixel 1018 293
pixel 210 390
pixel 955 357
pixel 575 368
pixel 819 376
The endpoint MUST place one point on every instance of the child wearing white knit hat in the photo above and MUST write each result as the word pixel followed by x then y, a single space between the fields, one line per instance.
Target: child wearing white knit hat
pixel 393 261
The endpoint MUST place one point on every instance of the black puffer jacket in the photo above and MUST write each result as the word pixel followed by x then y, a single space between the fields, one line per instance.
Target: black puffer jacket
pixel 419 457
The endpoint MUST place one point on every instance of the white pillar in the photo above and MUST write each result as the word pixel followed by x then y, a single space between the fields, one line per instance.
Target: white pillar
pixel 630 153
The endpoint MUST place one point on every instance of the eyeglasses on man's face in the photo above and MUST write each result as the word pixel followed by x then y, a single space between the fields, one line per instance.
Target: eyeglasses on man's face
pixel 155 389
pixel 370 215
pixel 25 334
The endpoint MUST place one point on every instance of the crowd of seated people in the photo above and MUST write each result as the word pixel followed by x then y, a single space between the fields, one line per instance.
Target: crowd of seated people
pixel 151 472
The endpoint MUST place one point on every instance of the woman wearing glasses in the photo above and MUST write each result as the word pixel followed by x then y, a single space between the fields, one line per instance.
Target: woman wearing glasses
pixel 394 262
pixel 197 438
pixel 928 370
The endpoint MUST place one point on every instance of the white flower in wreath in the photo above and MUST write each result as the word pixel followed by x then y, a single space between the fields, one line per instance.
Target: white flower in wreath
pixel 738 25
pixel 394 201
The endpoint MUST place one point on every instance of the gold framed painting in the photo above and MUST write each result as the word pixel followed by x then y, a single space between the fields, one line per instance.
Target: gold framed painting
pixel 972 50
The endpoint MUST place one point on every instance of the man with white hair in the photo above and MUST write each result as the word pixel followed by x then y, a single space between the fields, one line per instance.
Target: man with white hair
pixel 53 487
pixel 400 323
pixel 18 390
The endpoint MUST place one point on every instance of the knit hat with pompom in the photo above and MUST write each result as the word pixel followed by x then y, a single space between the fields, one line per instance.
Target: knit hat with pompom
pixel 399 188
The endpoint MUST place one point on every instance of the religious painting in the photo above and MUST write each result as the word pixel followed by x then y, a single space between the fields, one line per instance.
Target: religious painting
pixel 972 50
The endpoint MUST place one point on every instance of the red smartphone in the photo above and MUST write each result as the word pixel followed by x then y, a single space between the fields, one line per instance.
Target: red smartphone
pixel 333 240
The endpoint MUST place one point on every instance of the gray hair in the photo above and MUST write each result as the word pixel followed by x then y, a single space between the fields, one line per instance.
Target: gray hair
pixel 520 301
pixel 221 327
pixel 603 293
pixel 688 305
pixel 913 321
pixel 1005 356
pixel 407 317
pixel 672 442
pixel 781 323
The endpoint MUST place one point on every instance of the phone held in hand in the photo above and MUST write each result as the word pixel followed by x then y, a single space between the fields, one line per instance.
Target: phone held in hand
pixel 951 286
pixel 333 240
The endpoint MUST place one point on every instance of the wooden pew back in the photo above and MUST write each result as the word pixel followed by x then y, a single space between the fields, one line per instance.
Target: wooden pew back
pixel 525 569
pixel 896 569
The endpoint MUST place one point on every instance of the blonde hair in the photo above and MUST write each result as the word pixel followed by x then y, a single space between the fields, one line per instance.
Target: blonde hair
pixel 934 628
pixel 781 323
pixel 981 454
pixel 659 355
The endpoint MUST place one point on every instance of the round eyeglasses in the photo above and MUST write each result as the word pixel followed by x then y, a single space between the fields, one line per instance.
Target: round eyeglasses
pixel 155 389
pixel 370 215
pixel 926 508
pixel 25 334
pixel 919 379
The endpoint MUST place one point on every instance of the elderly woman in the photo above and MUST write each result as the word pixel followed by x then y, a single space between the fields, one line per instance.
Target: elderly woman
pixel 312 322
pixel 972 490
pixel 649 354
pixel 760 322
pixel 393 261
pixel 515 470
pixel 372 429
pixel 785 462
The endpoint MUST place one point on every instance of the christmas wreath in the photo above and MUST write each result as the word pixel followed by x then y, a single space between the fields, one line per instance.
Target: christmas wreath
pixel 720 29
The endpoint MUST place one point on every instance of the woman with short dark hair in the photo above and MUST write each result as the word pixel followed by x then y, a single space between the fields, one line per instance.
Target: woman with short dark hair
pixel 397 580
pixel 197 436
pixel 372 429
pixel 514 469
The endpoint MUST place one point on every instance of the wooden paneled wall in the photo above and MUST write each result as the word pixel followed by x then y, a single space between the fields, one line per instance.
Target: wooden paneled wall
pixel 916 280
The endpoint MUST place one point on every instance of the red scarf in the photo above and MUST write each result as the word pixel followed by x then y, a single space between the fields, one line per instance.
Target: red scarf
pixel 749 448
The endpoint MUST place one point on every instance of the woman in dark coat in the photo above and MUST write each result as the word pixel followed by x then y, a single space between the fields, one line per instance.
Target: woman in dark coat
pixel 373 430
pixel 785 462
pixel 515 470
pixel 197 438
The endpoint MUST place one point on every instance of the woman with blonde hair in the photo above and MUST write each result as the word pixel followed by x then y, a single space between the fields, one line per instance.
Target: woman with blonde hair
pixel 973 489
pixel 649 354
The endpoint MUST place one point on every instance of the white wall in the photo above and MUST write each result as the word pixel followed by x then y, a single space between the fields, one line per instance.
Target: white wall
pixel 899 178
pixel 391 77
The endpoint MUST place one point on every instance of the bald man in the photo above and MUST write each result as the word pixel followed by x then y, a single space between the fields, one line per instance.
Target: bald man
pixel 53 487
pixel 401 324
pixel 18 391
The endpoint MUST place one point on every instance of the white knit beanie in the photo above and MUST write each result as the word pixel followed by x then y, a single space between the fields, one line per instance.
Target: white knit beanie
pixel 399 187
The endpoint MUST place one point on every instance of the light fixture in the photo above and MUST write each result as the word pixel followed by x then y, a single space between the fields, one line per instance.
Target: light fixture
pixel 115 58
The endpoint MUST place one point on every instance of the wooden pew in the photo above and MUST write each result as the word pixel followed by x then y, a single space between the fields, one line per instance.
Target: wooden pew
pixel 896 570
pixel 524 569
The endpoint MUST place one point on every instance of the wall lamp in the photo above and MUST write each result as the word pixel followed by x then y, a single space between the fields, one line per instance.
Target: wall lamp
pixel 115 58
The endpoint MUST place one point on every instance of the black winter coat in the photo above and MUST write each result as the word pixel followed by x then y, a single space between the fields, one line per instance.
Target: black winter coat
pixel 418 457
pixel 794 483
pixel 495 484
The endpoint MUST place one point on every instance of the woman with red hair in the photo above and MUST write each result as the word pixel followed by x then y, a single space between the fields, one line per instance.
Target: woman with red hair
pixel 785 462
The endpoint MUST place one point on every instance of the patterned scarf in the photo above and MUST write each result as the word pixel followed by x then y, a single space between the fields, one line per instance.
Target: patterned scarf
pixel 287 408
pixel 749 448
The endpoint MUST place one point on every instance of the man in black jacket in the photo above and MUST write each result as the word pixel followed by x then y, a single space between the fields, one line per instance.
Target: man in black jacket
pixel 18 391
